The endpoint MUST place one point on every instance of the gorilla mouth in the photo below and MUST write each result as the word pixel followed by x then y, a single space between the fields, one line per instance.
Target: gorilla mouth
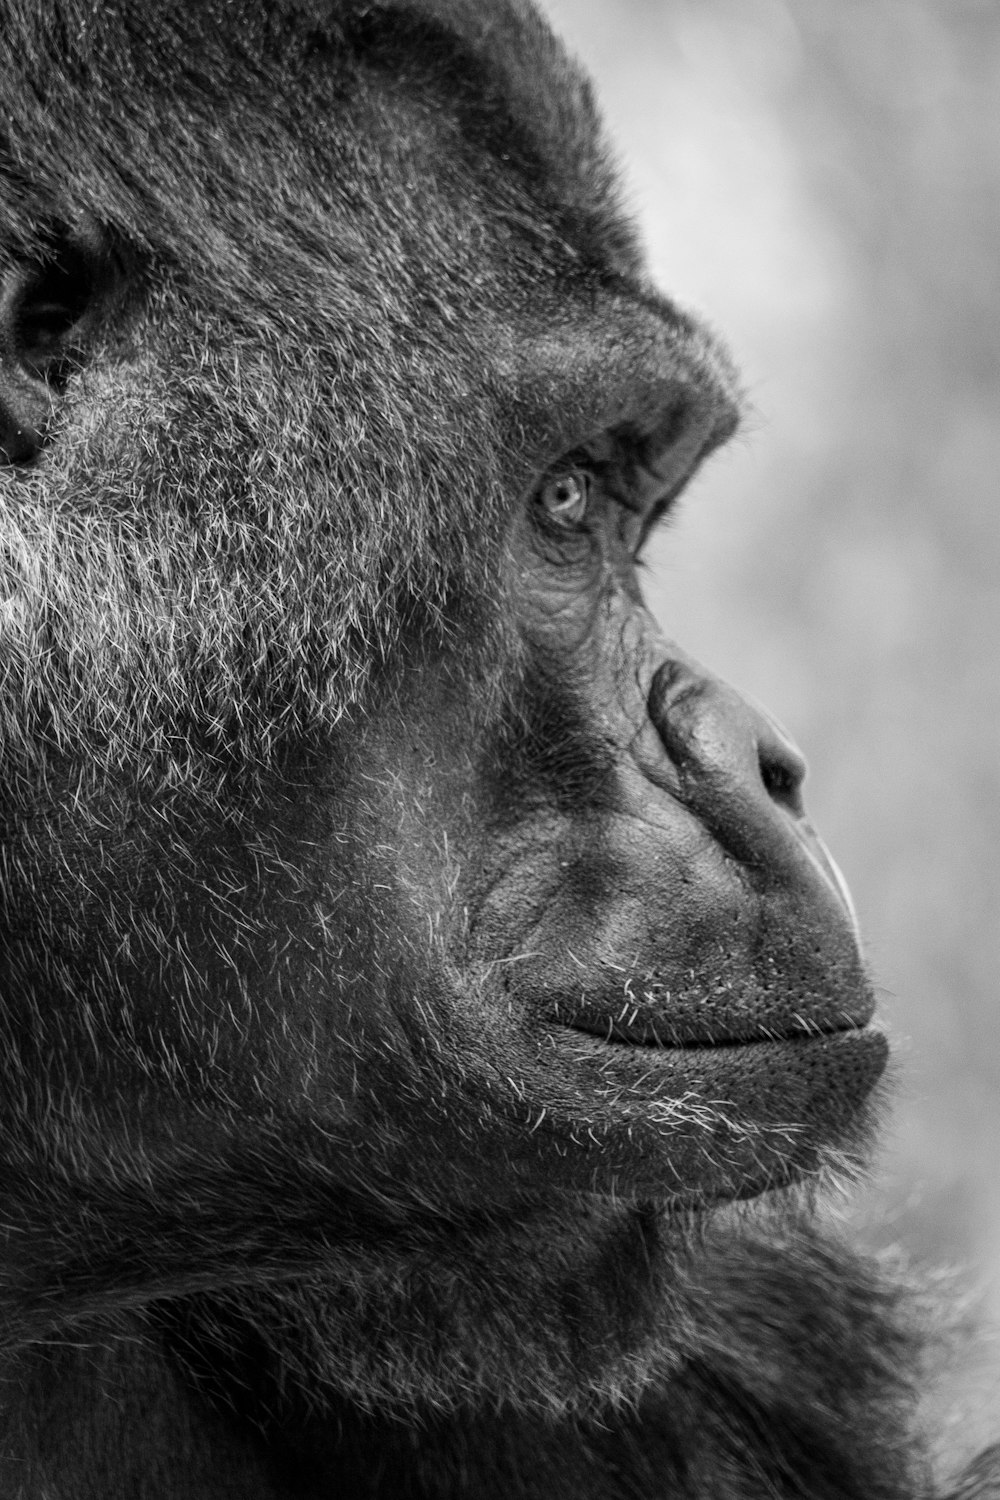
pixel 793 1076
pixel 615 1033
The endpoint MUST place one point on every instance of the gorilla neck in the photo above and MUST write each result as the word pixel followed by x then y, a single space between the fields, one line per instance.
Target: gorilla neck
pixel 571 1351
pixel 556 1309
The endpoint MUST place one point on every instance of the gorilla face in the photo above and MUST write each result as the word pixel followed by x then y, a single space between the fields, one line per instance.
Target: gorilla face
pixel 361 828
pixel 657 912
pixel 644 970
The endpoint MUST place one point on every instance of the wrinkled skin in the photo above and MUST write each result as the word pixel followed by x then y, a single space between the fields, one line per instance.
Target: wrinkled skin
pixel 409 954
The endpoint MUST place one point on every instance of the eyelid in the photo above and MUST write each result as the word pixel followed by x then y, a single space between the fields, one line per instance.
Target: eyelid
pixel 617 481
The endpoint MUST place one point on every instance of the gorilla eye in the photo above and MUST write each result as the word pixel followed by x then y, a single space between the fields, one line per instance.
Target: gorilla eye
pixel 50 306
pixel 564 497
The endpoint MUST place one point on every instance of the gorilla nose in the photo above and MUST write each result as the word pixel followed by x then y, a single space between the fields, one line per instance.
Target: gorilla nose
pixel 738 770
pixel 720 741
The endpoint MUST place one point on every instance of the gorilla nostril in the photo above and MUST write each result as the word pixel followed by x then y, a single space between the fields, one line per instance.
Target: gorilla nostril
pixel 782 773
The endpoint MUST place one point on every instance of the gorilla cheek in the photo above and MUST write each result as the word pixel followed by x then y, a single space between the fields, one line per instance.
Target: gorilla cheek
pixel 624 904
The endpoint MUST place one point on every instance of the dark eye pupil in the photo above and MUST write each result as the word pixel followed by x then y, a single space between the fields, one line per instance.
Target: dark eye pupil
pixel 565 497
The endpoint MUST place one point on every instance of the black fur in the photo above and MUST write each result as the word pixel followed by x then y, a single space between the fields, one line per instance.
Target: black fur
pixel 300 297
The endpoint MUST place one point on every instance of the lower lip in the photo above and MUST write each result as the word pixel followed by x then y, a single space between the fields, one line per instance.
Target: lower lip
pixel 858 1051
pixel 710 1121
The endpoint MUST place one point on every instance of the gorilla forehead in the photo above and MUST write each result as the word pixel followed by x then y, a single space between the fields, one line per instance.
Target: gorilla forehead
pixel 277 144
pixel 496 67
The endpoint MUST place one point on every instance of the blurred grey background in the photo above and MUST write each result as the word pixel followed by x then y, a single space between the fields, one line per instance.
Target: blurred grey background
pixel 823 182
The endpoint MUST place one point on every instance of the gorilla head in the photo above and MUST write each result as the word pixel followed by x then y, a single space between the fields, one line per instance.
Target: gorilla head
pixel 401 935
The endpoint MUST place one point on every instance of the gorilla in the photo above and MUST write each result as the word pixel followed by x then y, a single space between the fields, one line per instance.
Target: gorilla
pixel 429 1020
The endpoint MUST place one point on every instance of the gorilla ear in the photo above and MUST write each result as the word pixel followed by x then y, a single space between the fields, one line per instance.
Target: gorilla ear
pixel 49 305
